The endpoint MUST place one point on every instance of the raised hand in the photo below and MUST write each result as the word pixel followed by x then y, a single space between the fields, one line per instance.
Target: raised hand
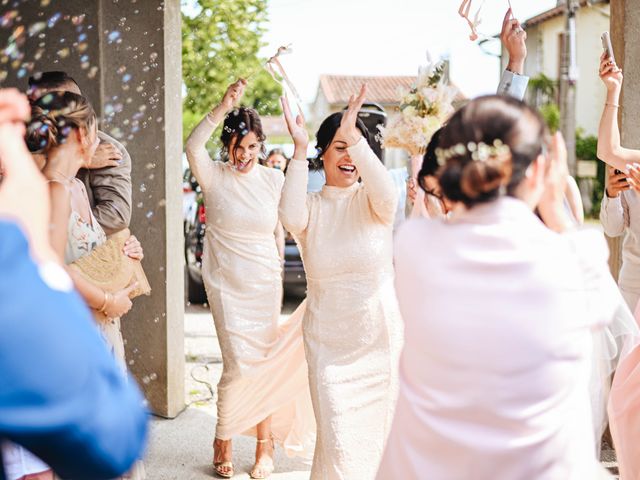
pixel 297 129
pixel 514 39
pixel 551 205
pixel 348 129
pixel 24 195
pixel 610 74
pixel 233 94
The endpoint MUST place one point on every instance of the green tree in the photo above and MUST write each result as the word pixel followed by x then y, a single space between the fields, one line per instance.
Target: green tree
pixel 221 40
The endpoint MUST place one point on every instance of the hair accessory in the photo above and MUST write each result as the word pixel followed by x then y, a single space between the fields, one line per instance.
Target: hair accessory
pixel 480 152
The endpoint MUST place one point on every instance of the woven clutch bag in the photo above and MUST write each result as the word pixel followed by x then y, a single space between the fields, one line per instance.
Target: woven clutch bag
pixel 110 269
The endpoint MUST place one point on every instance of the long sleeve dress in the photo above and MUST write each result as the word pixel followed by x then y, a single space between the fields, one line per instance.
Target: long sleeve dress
pixel 352 328
pixel 495 371
pixel 616 216
pixel 264 370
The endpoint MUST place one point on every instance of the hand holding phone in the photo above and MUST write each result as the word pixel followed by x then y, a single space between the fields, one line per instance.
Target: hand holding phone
pixel 607 46
pixel 616 183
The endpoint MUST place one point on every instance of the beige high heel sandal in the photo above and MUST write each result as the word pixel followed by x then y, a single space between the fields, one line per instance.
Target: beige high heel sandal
pixel 218 466
pixel 261 471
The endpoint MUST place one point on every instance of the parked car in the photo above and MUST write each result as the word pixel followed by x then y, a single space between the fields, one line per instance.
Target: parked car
pixel 373 116
pixel 194 228
pixel 294 280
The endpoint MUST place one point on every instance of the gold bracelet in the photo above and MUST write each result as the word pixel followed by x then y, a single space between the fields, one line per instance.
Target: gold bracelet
pixel 615 105
pixel 107 296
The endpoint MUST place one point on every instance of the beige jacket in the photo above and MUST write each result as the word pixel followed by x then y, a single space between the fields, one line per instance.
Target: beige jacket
pixel 109 190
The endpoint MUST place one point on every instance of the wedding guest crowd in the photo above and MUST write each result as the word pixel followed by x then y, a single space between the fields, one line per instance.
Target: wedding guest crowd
pixel 484 339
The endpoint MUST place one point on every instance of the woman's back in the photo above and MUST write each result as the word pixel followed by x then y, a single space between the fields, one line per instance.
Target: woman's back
pixel 495 367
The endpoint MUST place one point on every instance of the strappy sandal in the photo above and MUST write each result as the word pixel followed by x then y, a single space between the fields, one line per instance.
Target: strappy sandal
pixel 223 469
pixel 259 470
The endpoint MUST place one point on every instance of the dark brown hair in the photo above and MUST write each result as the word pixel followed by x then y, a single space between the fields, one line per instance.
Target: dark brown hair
pixel 487 120
pixel 54 116
pixel 327 131
pixel 237 125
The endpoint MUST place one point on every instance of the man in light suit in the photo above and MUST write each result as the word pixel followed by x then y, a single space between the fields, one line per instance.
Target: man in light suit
pixel 108 178
pixel 513 37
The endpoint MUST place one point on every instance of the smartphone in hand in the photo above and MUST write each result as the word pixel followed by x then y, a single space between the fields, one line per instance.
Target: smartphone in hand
pixel 607 46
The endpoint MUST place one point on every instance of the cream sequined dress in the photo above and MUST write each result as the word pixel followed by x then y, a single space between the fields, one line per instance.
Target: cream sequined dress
pixel 264 370
pixel 352 327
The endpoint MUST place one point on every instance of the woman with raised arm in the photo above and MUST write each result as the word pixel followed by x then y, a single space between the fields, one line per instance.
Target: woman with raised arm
pixel 610 149
pixel 352 328
pixel 263 391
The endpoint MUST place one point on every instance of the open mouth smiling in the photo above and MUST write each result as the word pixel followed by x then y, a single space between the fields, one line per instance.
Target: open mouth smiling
pixel 347 168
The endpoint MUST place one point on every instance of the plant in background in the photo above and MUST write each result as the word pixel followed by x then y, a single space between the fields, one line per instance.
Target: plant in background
pixel 586 149
pixel 543 92
pixel 221 40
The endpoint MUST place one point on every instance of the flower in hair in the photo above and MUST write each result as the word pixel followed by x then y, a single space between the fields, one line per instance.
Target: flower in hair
pixel 480 152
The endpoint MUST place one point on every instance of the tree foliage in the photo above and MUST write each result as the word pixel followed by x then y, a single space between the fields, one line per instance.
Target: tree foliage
pixel 221 40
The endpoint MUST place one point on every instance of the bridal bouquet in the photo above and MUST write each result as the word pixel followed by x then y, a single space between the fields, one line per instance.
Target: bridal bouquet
pixel 423 110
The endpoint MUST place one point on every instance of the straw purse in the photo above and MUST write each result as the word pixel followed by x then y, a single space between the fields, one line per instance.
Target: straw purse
pixel 110 269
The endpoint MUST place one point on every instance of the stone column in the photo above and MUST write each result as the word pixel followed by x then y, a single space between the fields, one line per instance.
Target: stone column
pixel 625 36
pixel 126 57
pixel 142 106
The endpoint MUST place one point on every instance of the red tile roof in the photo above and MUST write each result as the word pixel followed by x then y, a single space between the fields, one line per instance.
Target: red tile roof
pixel 555 12
pixel 384 90
pixel 274 125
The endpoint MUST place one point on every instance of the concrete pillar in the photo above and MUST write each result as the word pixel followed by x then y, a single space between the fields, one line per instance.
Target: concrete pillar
pixel 625 36
pixel 126 56
pixel 141 81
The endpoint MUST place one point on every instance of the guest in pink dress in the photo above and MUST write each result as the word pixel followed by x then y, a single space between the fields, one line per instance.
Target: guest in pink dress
pixel 499 310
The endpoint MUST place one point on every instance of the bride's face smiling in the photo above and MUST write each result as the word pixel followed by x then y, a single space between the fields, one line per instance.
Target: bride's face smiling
pixel 244 156
pixel 339 170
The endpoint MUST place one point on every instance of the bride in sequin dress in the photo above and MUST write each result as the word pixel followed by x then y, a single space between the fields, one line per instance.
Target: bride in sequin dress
pixel 352 327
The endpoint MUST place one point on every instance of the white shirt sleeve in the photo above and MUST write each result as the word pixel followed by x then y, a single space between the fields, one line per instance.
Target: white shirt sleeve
pixel 513 85
pixel 612 215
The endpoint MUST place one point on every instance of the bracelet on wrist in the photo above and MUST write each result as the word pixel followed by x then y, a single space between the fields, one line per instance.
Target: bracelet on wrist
pixel 615 105
pixel 104 301
pixel 107 298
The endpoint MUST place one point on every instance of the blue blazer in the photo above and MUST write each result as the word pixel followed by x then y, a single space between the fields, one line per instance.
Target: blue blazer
pixel 62 396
